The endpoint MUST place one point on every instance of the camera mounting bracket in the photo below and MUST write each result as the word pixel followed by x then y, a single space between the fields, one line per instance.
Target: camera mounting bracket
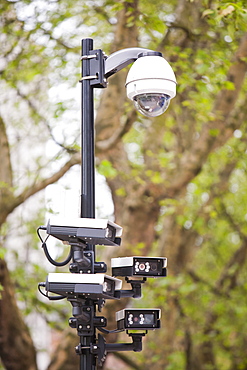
pixel 84 319
pixel 135 292
pixel 96 60
pixel 84 261
pixel 101 347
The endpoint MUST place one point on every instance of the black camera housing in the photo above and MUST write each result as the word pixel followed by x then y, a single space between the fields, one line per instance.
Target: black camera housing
pixel 138 319
pixel 139 266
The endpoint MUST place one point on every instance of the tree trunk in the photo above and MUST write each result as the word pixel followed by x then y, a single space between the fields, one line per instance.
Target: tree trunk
pixel 64 356
pixel 17 351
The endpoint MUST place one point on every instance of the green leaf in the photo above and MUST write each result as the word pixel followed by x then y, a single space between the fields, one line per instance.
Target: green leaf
pixel 207 12
pixel 106 169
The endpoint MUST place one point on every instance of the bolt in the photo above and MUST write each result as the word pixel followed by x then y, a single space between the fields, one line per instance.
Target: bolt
pixel 89 254
pixel 89 271
pixel 88 326
pixel 95 347
pixel 88 308
pixel 80 326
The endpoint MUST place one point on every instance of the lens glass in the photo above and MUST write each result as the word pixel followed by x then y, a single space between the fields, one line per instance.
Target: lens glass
pixel 142 266
pixel 152 105
pixel 154 266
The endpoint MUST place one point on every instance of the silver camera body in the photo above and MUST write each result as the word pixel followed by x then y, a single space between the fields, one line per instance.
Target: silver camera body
pixel 87 230
pixel 83 285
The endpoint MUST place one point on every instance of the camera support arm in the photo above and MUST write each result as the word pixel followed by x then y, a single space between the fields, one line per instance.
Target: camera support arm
pixel 101 67
pixel 135 292
pixel 122 58
pixel 102 348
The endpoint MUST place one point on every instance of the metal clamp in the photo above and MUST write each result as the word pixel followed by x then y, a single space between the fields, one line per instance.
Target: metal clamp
pixel 85 57
pixel 96 61
pixel 88 78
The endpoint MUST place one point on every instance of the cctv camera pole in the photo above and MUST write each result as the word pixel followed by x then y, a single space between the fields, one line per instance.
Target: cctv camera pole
pixel 87 136
pixel 96 68
pixel 92 76
pixel 87 176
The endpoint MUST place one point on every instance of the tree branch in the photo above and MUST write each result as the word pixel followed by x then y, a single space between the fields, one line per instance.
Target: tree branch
pixel 192 161
pixel 107 144
pixel 197 279
pixel 36 187
pixel 42 119
pixel 14 202
pixel 233 267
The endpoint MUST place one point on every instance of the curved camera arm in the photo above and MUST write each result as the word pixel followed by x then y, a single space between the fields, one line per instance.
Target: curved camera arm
pixel 122 58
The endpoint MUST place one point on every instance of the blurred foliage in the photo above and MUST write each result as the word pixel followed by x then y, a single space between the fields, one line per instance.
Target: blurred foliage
pixel 39 67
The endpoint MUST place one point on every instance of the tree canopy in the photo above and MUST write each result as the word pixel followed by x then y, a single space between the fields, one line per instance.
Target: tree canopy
pixel 178 181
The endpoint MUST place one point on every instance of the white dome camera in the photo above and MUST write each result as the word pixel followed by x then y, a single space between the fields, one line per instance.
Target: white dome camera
pixel 151 83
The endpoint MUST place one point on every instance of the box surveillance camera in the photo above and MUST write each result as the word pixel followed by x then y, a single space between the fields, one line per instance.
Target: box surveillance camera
pixel 86 285
pixel 87 230
pixel 139 266
pixel 138 319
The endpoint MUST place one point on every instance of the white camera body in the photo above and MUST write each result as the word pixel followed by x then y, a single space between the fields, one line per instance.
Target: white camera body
pixel 151 83
pixel 151 74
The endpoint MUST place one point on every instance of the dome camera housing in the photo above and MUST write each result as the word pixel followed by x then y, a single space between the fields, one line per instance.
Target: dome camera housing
pixel 151 83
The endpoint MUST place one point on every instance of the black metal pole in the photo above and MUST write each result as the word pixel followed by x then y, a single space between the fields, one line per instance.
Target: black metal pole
pixel 87 137
pixel 87 360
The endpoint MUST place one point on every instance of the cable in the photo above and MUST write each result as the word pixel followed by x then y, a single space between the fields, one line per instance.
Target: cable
pixel 51 298
pixel 105 331
pixel 47 254
pixel 51 260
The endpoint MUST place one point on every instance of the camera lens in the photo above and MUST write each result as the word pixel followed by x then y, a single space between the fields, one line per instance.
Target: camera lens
pixel 154 266
pixel 152 105
pixel 142 266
